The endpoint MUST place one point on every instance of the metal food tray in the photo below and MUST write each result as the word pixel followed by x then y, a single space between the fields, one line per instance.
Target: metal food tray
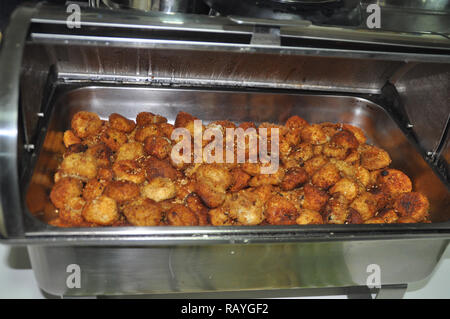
pixel 161 259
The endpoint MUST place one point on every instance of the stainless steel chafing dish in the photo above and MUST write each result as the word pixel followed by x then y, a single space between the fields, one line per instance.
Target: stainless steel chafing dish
pixel 394 85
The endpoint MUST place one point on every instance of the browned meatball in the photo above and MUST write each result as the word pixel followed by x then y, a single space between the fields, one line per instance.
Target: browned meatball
pixel 294 177
pixel 70 138
pixel 195 204
pixel 280 211
pixel 128 171
pixel 366 205
pixel 120 123
pixel 113 139
pixel 240 179
pixel 295 122
pixel 86 124
pixel 180 215
pixel 394 182
pixel 336 211
pixel 80 165
pixel 157 168
pixel 151 130
pixel 374 158
pixel 159 147
pixel 414 205
pixel 143 213
pixel 146 118
pixel 94 188
pixel 346 187
pixel 309 217
pixel 102 210
pixel 212 181
pixel 326 177
pixel 315 198
pixel 313 134
pixel 389 215
pixel 65 189
pixel 122 191
pixel 345 139
pixel 101 153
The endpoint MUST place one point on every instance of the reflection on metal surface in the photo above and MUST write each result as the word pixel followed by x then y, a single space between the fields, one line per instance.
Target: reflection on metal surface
pixel 108 270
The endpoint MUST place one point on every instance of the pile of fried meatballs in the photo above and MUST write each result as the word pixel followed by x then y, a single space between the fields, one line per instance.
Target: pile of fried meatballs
pixel 120 172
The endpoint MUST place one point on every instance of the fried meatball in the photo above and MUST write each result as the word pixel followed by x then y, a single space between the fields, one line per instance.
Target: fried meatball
pixel 345 139
pixel 314 164
pixel 159 189
pixel 366 205
pixel 334 151
pixel 128 171
pixel 105 174
pixel 113 139
pixel 374 158
pixel 280 211
pixel 143 212
pixel 70 138
pixel 195 204
pixel 352 157
pixel 295 122
pixel 388 215
pixel 120 123
pixel 313 134
pixel 166 129
pixel 357 132
pixel 354 217
pixel 146 118
pixel 291 138
pixel 302 152
pixel 180 215
pixel 240 179
pixel 122 191
pixel 185 120
pixel 158 168
pixel 101 153
pixel 130 151
pixel 94 188
pixel 346 187
pixel 394 182
pixel 413 204
pixel 294 177
pixel 144 132
pixel 309 217
pixel 79 165
pixel 71 213
pixel 336 211
pixel 246 207
pixel 212 181
pixel 86 124
pixel 219 217
pixel 65 189
pixel 326 177
pixel 267 179
pixel 315 198
pixel 159 147
pixel 102 210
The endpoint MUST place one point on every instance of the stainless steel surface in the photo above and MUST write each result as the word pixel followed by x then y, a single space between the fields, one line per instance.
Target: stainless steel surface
pixel 146 270
pixel 236 106
pixel 10 61
pixel 425 93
